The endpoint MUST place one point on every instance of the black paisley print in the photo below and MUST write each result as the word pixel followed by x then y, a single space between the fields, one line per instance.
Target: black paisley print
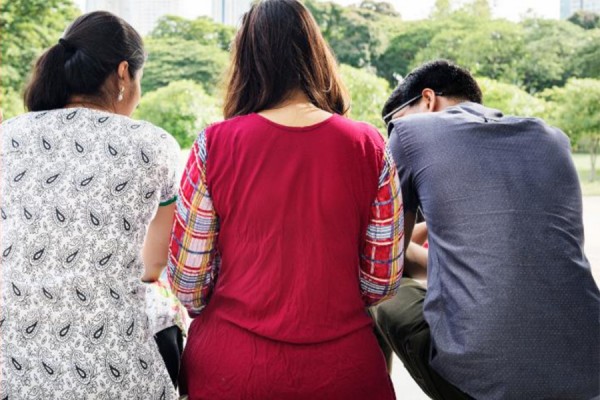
pixel 79 188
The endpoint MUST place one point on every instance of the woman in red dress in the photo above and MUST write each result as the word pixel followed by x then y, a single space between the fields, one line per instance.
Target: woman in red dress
pixel 288 224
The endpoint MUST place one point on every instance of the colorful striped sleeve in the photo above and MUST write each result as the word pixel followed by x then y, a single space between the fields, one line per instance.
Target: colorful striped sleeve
pixel 382 259
pixel 193 258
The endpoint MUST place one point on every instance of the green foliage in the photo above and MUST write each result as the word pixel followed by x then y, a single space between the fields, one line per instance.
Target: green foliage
pixel 585 19
pixel 380 7
pixel 550 53
pixel 202 30
pixel 397 58
pixel 576 110
pixel 11 103
pixel 536 54
pixel 171 59
pixel 510 99
pixel 354 34
pixel 368 93
pixel 479 8
pixel 441 9
pixel 487 48
pixel 27 28
pixel 182 108
pixel 586 61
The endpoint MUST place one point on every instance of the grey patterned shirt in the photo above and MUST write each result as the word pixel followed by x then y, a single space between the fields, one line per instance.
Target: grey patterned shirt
pixel 512 306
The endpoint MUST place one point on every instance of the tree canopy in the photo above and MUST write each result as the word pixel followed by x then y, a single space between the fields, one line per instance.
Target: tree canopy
pixel 510 99
pixel 576 110
pixel 201 30
pixel 171 59
pixel 27 28
pixel 368 95
pixel 585 19
pixel 182 108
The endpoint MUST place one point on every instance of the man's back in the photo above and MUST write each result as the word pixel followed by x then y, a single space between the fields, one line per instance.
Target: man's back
pixel 512 305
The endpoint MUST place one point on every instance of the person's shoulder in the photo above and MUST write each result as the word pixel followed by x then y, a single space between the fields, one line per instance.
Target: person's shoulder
pixel 413 123
pixel 543 129
pixel 14 123
pixel 236 122
pixel 435 123
pixel 149 133
pixel 359 129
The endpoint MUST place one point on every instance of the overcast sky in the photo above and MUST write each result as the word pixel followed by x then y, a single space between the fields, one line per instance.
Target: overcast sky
pixel 411 9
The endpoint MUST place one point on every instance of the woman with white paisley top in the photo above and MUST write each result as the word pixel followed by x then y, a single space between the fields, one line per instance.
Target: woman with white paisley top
pixel 87 201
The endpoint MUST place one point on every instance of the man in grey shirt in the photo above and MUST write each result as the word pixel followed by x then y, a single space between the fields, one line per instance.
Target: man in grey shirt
pixel 511 310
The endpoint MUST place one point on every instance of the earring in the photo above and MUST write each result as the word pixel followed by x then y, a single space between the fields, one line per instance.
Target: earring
pixel 121 92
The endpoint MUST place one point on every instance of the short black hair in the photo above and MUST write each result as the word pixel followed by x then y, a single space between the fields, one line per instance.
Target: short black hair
pixel 440 76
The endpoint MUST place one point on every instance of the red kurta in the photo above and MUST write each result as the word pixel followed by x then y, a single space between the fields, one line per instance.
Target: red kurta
pixel 286 319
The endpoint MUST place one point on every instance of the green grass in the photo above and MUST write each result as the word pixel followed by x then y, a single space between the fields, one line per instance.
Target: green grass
pixel 582 163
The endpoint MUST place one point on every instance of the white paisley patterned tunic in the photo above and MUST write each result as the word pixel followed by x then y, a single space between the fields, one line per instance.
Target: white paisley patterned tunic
pixel 79 189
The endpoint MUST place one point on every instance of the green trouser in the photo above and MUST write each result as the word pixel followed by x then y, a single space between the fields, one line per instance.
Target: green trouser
pixel 401 328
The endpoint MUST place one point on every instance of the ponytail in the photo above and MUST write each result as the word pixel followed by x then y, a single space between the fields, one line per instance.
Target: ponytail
pixel 81 62
pixel 48 87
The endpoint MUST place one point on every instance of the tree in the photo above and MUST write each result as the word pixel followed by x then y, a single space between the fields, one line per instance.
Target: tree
pixel 368 93
pixel 202 30
pixel 585 19
pixel 552 49
pixel 27 27
pixel 576 110
pixel 510 99
pixel 479 8
pixel 11 103
pixel 172 59
pixel 380 7
pixel 493 49
pixel 352 33
pixel 396 60
pixel 482 9
pixel 586 60
pixel 441 9
pixel 487 48
pixel 182 108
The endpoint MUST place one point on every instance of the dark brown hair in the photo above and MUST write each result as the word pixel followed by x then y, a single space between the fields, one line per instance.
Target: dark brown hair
pixel 89 52
pixel 279 48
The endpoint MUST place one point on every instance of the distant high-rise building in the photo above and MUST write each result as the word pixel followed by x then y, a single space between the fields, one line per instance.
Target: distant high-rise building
pixel 141 14
pixel 568 7
pixel 230 12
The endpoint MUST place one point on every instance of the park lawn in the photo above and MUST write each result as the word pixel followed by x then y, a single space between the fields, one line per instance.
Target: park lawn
pixel 582 163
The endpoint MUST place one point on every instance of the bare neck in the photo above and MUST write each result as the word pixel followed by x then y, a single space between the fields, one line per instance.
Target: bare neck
pixel 87 102
pixel 296 111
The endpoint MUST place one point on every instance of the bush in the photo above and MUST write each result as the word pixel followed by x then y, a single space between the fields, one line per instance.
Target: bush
pixel 182 108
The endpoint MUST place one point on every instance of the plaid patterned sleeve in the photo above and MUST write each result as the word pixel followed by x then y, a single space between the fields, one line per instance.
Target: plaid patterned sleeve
pixel 382 259
pixel 193 259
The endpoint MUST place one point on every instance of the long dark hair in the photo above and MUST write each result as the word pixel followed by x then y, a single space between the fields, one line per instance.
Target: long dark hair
pixel 279 48
pixel 80 63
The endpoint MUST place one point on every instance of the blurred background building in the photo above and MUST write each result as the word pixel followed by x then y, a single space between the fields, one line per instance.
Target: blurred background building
pixel 229 12
pixel 143 14
pixel 568 7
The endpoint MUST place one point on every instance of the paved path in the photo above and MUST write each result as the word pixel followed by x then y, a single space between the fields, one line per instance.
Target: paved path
pixel 407 389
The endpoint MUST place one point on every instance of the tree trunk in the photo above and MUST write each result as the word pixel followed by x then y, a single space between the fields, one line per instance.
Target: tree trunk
pixel 594 145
